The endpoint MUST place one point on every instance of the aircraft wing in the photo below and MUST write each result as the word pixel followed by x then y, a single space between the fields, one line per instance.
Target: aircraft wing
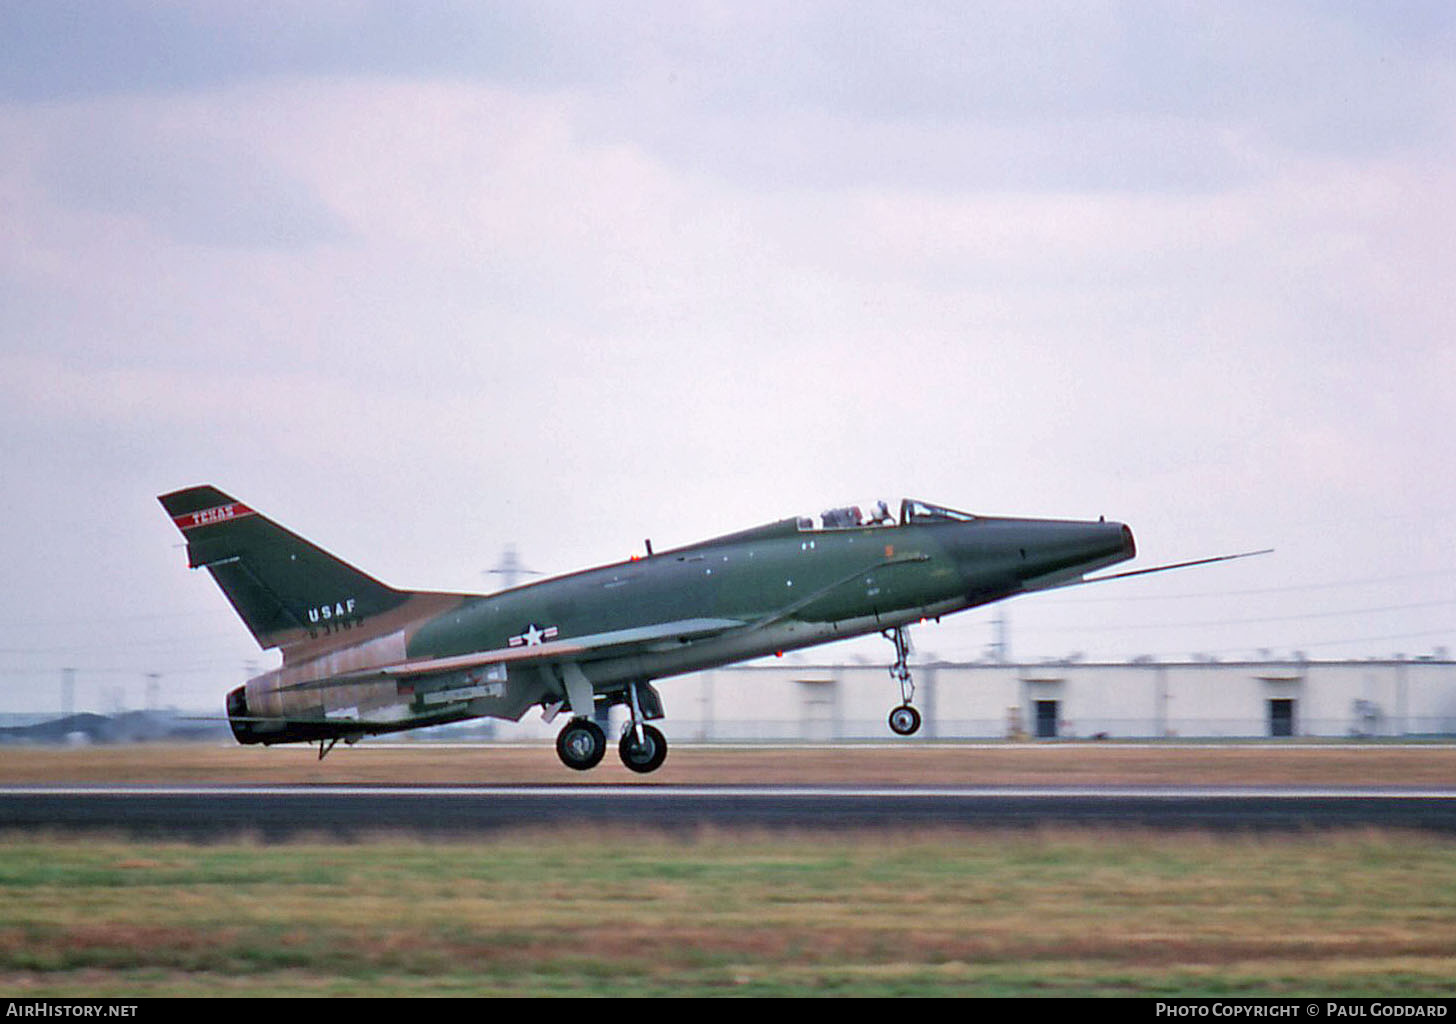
pixel 570 649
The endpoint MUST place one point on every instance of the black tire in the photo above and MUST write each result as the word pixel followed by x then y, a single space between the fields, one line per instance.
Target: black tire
pixel 904 720
pixel 580 744
pixel 646 757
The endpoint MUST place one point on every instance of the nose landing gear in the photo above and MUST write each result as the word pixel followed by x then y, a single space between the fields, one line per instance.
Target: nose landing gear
pixel 904 720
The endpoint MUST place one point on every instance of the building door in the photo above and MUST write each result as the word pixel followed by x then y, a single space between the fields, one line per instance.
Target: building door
pixel 1281 716
pixel 818 711
pixel 1046 719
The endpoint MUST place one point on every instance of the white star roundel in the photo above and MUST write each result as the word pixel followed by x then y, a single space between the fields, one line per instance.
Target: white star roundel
pixel 533 636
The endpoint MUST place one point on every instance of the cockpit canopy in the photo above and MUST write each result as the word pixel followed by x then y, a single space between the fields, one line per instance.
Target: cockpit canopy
pixel 911 511
pixel 848 518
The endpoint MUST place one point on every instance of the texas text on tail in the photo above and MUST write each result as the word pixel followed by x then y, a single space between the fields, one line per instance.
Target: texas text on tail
pixel 361 658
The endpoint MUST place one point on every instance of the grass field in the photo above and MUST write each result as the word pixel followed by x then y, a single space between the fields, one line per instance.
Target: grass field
pixel 1059 913
pixel 621 912
pixel 921 763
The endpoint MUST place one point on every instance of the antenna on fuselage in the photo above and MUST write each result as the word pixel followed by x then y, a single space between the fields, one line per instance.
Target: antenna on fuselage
pixel 510 568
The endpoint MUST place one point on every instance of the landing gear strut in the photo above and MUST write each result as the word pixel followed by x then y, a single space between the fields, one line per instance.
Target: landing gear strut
pixel 904 720
pixel 642 748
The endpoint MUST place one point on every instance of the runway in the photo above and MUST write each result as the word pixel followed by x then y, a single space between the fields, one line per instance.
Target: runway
pixel 279 813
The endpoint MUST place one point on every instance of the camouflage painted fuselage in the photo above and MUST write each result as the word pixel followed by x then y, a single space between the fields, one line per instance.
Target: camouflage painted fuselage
pixel 360 657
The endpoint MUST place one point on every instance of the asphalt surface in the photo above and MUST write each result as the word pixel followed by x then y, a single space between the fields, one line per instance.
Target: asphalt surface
pixel 277 813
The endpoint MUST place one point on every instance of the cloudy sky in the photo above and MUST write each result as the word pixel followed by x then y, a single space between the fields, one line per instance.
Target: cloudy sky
pixel 422 280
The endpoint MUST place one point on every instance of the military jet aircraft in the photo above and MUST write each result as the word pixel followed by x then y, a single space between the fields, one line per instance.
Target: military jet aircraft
pixel 362 658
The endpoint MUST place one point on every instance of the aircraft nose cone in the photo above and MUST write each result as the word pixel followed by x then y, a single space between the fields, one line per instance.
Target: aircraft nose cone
pixel 1063 550
pixel 1101 542
pixel 1000 557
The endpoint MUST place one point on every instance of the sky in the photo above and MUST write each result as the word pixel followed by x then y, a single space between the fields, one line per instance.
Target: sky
pixel 421 281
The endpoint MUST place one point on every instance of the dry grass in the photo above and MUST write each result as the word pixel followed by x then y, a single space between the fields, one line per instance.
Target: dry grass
pixel 612 911
pixel 1057 912
pixel 910 763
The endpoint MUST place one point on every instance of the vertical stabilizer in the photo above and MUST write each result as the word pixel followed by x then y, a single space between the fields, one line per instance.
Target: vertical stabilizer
pixel 286 590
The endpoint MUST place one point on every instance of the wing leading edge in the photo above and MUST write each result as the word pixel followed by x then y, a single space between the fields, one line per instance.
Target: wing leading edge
pixel 573 649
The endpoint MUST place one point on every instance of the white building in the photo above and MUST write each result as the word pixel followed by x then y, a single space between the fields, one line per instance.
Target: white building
pixel 784 700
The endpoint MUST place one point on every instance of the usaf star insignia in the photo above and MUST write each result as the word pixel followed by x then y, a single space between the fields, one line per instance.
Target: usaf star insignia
pixel 533 636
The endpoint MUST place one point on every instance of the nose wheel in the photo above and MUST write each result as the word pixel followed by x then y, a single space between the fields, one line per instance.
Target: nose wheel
pixel 904 720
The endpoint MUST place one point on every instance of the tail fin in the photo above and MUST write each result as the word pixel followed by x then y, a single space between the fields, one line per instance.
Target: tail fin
pixel 286 590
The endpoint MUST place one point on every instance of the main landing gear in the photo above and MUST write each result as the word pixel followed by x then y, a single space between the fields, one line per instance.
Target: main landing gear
pixel 642 748
pixel 581 742
pixel 642 754
pixel 904 720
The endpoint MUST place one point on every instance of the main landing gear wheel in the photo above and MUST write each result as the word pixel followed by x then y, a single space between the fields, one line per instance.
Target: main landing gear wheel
pixel 905 720
pixel 581 744
pixel 646 756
